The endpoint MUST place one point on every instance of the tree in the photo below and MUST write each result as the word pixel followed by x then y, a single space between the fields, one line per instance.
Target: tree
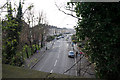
pixel 100 24
pixel 30 17
pixel 12 27
pixel 11 43
pixel 41 29
pixel 19 20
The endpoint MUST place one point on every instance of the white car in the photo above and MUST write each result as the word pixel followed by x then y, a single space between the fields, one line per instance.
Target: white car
pixel 71 54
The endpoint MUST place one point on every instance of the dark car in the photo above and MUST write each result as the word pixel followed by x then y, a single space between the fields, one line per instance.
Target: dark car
pixel 71 54
pixel 62 36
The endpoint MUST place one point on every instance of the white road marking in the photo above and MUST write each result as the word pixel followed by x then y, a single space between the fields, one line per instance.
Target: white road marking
pixel 55 63
pixel 51 71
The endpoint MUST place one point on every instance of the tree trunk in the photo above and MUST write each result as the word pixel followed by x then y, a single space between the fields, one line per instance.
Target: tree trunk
pixel 42 41
pixel 27 52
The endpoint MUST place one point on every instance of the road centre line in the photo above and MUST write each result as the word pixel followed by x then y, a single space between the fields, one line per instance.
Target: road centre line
pixel 51 71
pixel 55 63
pixel 58 56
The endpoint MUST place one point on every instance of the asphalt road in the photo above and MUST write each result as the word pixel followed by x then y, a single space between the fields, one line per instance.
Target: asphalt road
pixel 56 60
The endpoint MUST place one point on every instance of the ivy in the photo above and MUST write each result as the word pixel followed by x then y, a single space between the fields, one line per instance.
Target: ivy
pixel 100 24
pixel 11 39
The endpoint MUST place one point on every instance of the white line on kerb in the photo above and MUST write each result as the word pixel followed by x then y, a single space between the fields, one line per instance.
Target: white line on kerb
pixel 51 71
pixel 55 63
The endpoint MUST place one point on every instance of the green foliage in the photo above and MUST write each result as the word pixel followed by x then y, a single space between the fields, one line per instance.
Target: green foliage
pixel 26 52
pixel 74 39
pixel 30 7
pixel 19 14
pixel 50 38
pixel 34 48
pixel 100 24
pixel 58 35
pixel 17 60
pixel 11 40
pixel 38 47
pixel 14 52
pixel 10 44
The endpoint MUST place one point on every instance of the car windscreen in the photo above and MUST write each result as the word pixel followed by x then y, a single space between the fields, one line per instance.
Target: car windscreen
pixel 72 53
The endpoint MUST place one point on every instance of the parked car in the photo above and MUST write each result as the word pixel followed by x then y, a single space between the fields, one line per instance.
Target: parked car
pixel 62 36
pixel 71 54
pixel 58 38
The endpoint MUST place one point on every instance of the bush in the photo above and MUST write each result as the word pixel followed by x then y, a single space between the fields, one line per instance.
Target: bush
pixel 50 38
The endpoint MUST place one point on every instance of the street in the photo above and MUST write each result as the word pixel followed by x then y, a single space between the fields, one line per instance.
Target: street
pixel 56 60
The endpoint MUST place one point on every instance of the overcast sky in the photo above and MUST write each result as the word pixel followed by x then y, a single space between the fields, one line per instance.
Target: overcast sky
pixel 53 15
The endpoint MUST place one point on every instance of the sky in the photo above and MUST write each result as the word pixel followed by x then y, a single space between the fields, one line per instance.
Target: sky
pixel 53 15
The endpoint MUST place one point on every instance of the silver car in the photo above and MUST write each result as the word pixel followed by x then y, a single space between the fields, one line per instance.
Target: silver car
pixel 71 54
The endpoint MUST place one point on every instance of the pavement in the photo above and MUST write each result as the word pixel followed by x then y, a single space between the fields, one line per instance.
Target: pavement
pixel 84 67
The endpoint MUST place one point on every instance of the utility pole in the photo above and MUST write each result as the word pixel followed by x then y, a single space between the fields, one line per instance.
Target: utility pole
pixel 80 67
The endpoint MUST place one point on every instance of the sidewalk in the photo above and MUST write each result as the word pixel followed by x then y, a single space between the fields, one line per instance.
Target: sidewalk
pixel 84 69
pixel 32 61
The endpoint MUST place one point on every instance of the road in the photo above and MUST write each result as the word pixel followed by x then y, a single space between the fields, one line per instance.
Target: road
pixel 56 60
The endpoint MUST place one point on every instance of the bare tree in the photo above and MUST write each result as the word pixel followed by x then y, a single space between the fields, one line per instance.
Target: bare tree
pixel 42 28
pixel 69 8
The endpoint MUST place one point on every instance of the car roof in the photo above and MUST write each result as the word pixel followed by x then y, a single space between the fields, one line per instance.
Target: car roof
pixel 70 51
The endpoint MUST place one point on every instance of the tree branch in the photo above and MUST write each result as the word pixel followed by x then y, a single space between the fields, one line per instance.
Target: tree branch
pixel 3 5
pixel 67 13
pixel 70 10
